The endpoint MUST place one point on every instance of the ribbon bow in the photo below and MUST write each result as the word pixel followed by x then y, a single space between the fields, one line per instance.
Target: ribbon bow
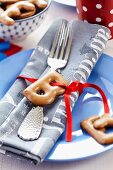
pixel 75 86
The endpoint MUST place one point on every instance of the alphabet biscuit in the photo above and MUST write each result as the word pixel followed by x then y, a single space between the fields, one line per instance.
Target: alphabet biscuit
pixel 15 10
pixel 96 127
pixel 44 86
pixel 18 9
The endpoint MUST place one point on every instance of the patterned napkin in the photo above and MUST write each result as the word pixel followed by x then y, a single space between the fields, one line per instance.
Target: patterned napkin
pixel 88 44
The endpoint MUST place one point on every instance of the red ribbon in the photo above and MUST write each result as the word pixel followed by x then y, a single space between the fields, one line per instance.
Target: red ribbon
pixel 31 80
pixel 75 86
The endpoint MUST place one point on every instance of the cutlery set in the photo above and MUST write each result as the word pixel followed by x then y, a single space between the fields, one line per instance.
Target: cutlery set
pixel 41 93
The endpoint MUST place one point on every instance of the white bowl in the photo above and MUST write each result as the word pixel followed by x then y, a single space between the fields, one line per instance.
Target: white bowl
pixel 23 27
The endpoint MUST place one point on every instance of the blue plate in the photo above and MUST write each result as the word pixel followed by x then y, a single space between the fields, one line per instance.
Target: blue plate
pixel 89 103
pixel 10 68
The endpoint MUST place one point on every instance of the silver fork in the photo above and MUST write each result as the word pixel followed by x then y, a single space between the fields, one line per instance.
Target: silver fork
pixel 62 42
pixel 31 127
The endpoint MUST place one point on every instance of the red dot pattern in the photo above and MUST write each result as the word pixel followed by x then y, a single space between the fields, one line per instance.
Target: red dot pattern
pixel 96 11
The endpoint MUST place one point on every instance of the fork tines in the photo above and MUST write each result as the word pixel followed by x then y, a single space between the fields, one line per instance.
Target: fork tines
pixel 62 42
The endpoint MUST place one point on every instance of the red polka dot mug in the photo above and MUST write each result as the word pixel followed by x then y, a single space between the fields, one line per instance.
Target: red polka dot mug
pixel 96 11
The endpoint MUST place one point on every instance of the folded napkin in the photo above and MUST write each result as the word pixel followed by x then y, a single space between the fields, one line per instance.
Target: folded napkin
pixel 88 44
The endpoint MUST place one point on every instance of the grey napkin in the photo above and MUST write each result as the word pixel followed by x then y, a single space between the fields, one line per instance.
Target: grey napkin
pixel 88 44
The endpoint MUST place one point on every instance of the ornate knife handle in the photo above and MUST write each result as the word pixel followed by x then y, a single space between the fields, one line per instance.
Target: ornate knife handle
pixel 41 92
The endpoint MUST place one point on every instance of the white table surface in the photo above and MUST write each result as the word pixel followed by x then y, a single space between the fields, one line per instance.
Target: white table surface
pixel 103 161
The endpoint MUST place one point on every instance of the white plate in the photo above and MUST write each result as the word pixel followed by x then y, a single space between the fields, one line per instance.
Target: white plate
pixel 67 2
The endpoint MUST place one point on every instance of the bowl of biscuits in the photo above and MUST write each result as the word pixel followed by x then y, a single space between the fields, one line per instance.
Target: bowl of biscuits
pixel 18 18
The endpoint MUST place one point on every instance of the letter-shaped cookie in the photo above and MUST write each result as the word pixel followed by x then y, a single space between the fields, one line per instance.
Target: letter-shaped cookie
pixel 96 127
pixel 15 10
pixel 43 85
